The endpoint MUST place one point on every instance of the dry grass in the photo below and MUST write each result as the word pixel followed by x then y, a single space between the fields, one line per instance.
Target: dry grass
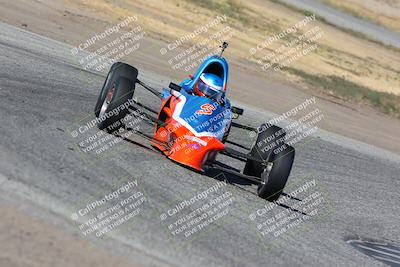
pixel 340 53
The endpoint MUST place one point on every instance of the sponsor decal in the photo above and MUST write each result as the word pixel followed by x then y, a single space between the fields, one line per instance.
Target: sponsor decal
pixel 206 109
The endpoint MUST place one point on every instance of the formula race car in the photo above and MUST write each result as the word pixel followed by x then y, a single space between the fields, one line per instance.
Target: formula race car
pixel 193 124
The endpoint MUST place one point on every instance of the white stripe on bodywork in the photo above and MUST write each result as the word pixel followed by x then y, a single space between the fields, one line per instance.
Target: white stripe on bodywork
pixel 177 116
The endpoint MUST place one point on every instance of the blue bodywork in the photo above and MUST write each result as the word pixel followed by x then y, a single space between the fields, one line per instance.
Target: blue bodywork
pixel 214 124
pixel 207 64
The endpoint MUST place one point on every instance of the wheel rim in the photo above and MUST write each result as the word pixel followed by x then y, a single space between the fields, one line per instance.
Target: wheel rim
pixel 266 172
pixel 107 101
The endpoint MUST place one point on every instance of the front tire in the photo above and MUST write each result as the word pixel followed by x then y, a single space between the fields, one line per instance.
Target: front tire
pixel 114 97
pixel 116 71
pixel 115 105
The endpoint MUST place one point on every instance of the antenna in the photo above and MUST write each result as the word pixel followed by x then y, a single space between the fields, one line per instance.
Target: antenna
pixel 223 47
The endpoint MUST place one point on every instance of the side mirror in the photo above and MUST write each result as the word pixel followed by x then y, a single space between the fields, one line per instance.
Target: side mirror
pixel 175 87
pixel 238 111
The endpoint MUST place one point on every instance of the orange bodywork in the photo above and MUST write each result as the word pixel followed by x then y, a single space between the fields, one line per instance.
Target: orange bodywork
pixel 179 144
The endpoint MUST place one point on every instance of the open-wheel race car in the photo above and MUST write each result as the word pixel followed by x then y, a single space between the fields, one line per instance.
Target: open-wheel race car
pixel 193 123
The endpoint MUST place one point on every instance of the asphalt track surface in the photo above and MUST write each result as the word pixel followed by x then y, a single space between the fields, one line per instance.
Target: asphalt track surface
pixel 342 19
pixel 44 94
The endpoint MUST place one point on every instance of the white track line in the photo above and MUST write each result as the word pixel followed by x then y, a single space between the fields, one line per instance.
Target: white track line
pixel 378 251
pixel 385 259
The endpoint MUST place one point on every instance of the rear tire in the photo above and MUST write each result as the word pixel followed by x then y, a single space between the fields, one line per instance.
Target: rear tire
pixel 275 178
pixel 270 138
pixel 275 173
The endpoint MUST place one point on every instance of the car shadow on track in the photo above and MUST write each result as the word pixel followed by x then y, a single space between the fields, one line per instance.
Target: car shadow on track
pixel 230 178
pixel 237 181
pixel 227 177
pixel 148 148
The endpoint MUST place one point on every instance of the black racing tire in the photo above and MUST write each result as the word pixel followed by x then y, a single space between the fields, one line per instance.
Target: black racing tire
pixel 274 179
pixel 269 138
pixel 116 71
pixel 123 89
pixel 270 147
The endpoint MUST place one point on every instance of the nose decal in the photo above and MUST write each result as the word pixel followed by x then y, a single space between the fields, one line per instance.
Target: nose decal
pixel 206 109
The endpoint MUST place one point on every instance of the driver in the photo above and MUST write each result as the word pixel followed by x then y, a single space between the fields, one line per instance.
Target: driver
pixel 209 85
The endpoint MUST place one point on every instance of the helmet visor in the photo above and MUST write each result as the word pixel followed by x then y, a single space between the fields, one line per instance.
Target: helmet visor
pixel 209 91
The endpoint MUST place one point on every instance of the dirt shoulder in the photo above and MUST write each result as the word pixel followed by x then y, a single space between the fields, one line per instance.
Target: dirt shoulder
pixel 29 242
pixel 67 22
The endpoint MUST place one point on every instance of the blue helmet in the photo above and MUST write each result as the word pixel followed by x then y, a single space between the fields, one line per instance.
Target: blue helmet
pixel 209 85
